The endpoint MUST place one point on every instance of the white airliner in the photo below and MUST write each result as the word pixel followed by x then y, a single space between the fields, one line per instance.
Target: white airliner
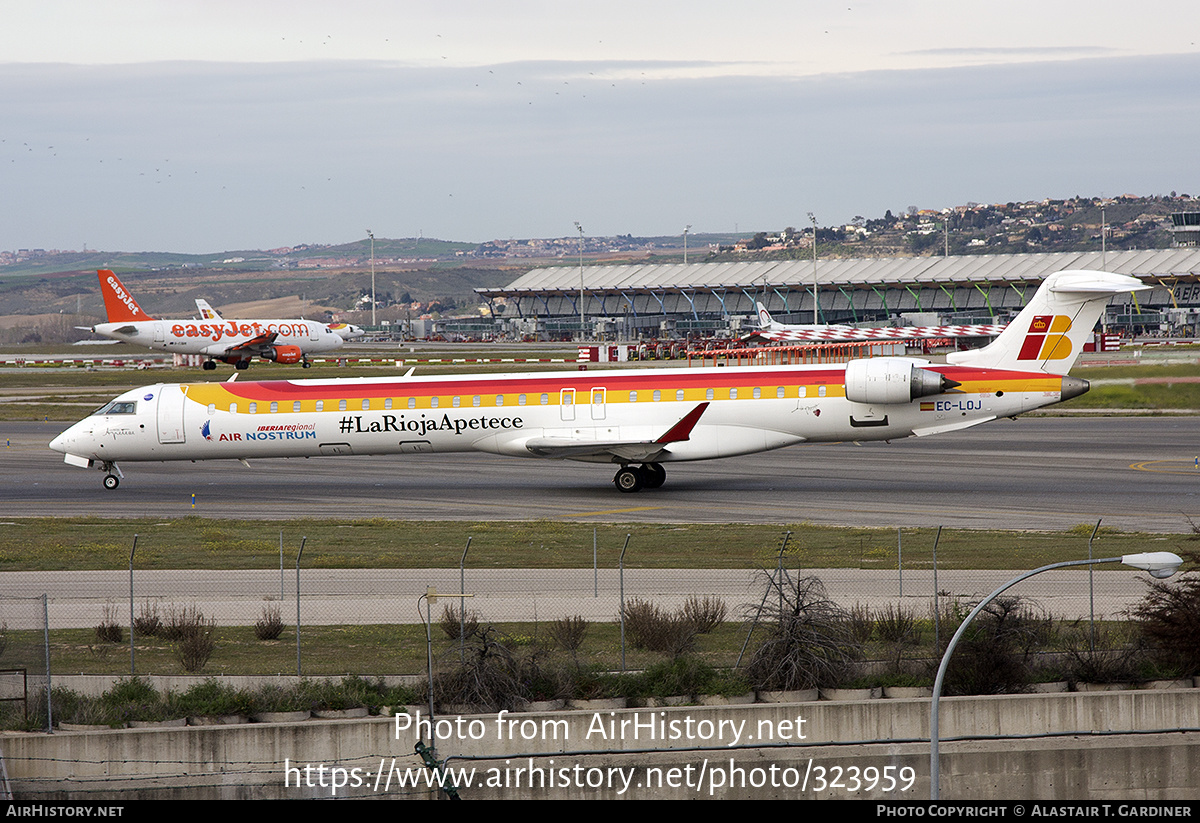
pixel 346 331
pixel 637 418
pixel 230 341
pixel 771 331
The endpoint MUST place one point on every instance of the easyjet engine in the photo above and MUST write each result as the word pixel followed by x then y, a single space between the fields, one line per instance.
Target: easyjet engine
pixel 892 380
pixel 285 354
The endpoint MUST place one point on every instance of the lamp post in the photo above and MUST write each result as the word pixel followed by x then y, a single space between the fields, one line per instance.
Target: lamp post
pixel 1158 564
pixel 816 319
pixel 686 229
pixel 371 234
pixel 582 321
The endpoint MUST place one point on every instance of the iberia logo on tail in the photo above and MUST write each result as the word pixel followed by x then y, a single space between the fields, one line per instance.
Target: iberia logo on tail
pixel 1047 338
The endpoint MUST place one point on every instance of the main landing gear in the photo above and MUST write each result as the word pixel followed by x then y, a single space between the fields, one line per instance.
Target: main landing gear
pixel 647 476
pixel 209 365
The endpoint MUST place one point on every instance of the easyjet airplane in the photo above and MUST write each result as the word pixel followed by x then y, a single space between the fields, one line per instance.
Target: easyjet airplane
pixel 771 331
pixel 639 419
pixel 230 341
pixel 346 331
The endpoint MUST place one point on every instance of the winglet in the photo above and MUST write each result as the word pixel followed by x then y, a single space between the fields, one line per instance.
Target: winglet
pixel 118 302
pixel 683 429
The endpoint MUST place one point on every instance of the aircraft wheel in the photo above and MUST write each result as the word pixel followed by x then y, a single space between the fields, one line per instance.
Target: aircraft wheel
pixel 210 365
pixel 628 479
pixel 111 481
pixel 306 364
pixel 653 475
pixel 242 365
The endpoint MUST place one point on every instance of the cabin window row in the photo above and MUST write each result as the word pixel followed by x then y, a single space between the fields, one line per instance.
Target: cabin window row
pixel 567 399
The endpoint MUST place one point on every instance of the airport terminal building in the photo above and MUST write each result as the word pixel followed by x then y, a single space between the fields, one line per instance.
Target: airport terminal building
pixel 677 300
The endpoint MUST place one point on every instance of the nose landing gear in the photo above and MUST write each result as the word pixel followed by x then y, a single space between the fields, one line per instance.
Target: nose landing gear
pixel 113 477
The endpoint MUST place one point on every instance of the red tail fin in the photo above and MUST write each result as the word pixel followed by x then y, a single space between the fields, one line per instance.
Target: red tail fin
pixel 118 302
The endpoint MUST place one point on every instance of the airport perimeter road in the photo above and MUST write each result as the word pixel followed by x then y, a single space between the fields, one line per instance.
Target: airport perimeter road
pixel 341 596
pixel 1137 474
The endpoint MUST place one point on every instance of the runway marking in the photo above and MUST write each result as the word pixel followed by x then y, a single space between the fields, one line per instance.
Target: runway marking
pixel 616 511
pixel 1181 465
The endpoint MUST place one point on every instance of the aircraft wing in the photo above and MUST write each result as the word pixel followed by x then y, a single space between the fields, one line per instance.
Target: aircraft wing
pixel 254 346
pixel 633 451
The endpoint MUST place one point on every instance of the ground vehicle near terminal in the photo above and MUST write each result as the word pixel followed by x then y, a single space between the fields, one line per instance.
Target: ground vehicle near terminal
pixel 230 341
pixel 639 419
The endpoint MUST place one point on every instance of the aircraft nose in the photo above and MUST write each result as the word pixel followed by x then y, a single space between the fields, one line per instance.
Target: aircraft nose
pixel 60 443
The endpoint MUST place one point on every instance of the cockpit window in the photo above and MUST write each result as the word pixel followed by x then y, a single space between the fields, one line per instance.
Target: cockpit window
pixel 118 407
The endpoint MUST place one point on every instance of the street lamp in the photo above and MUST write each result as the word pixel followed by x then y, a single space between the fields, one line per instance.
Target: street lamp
pixel 816 319
pixel 686 229
pixel 1158 564
pixel 582 322
pixel 371 234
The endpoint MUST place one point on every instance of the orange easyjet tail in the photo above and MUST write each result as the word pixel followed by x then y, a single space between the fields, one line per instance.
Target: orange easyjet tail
pixel 118 302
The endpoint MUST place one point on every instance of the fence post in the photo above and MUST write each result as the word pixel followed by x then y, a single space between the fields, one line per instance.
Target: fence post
pixel 46 651
pixel 462 609
pixel 621 603
pixel 299 554
pixel 131 659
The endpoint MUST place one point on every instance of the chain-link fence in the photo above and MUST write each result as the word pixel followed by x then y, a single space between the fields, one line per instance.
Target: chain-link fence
pixel 315 621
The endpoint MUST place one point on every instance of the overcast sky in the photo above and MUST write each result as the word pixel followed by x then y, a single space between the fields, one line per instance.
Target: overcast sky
pixel 205 126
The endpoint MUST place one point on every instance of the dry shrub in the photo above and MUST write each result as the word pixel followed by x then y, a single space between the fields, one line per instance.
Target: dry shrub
pixel 270 625
pixel 109 630
pixel 704 615
pixel 569 632
pixel 895 624
pixel 1169 620
pixel 195 649
pixel 148 623
pixel 459 624
pixel 181 623
pixel 996 653
pixel 656 630
pixel 808 644
pixel 490 676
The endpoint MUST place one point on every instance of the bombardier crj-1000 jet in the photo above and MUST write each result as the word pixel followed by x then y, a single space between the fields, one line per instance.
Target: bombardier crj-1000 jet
pixel 230 341
pixel 639 419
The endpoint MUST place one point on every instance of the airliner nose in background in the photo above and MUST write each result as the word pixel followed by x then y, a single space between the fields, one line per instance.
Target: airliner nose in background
pixel 230 341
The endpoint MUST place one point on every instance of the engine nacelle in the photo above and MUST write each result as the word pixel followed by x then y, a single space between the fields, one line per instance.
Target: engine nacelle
pixel 884 380
pixel 286 354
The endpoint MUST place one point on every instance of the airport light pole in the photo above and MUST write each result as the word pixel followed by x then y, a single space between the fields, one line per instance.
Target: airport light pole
pixel 582 321
pixel 686 229
pixel 816 318
pixel 1158 564
pixel 371 234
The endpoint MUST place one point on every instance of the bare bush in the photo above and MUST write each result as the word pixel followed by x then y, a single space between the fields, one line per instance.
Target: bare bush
pixel 194 649
pixel 148 623
pixel 656 630
pixel 895 624
pixel 181 623
pixel 458 624
pixel 704 615
pixel 1169 620
pixel 109 630
pixel 808 641
pixel 1118 655
pixel 270 625
pixel 569 632
pixel 490 676
pixel 860 623
pixel 996 653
